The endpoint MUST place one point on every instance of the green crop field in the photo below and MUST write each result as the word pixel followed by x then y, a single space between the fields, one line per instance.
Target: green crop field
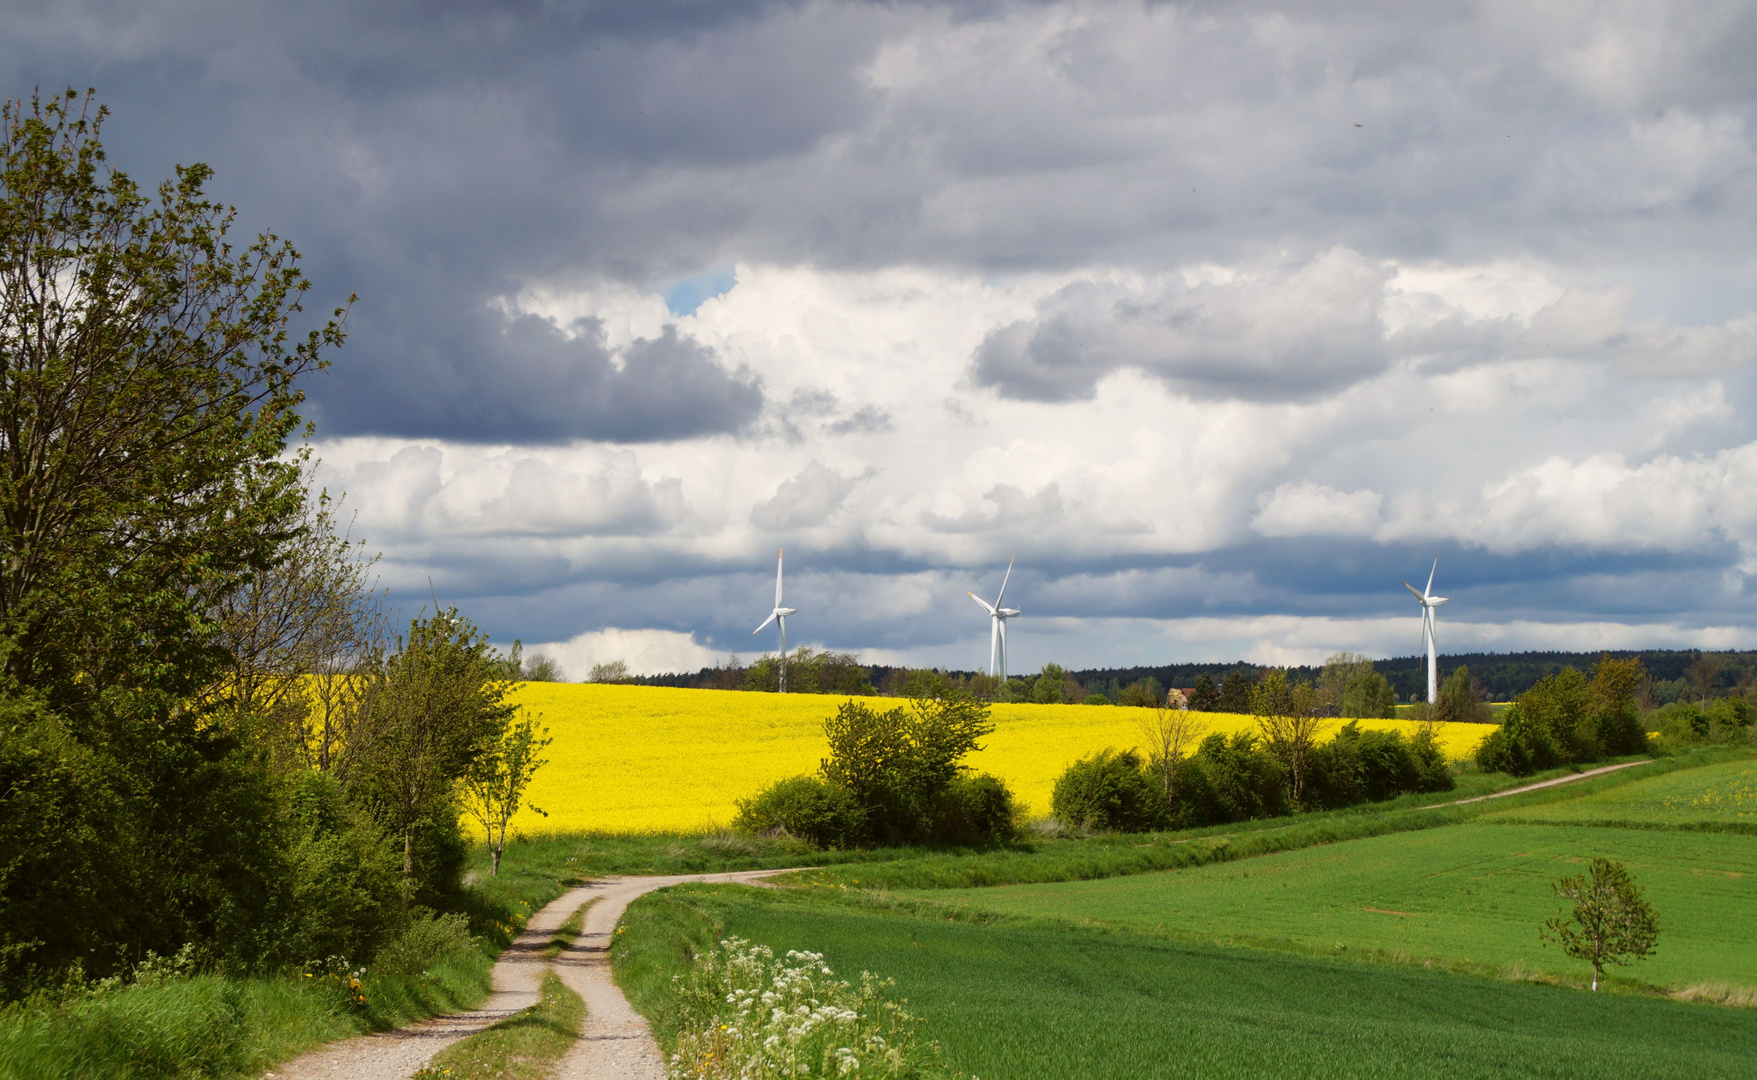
pixel 1472 893
pixel 1475 893
pixel 1722 796
pixel 1016 1002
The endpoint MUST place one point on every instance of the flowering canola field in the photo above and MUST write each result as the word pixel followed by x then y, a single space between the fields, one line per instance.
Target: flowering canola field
pixel 656 759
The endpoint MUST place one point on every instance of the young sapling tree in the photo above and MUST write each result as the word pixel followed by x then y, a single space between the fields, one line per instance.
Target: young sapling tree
pixel 1615 925
pixel 494 788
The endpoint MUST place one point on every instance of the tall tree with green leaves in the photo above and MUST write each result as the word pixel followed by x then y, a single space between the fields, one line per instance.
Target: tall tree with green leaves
pixel 437 706
pixel 1287 717
pixel 147 393
pixel 1609 923
pixel 149 369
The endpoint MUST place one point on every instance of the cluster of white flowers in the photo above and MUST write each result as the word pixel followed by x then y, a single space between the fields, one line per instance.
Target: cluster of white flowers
pixel 753 1017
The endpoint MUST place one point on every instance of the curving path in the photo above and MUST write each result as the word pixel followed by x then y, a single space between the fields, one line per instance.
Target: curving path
pixel 614 1041
pixel 1569 779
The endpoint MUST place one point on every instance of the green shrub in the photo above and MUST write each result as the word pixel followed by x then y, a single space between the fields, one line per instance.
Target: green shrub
pixel 348 892
pixel 427 939
pixel 1110 792
pixel 1097 699
pixel 1520 746
pixel 1228 778
pixel 807 807
pixel 975 809
pixel 897 763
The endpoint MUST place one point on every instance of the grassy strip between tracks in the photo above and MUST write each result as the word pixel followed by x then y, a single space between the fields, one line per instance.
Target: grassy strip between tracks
pixel 524 1046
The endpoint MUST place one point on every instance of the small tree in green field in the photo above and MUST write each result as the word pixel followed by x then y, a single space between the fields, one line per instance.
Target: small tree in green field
pixel 1610 923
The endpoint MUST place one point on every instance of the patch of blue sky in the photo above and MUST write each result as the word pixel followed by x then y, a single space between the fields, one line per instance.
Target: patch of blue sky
pixel 685 295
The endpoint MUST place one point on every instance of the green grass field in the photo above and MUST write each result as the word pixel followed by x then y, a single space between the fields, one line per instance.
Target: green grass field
pixel 1023 1002
pixel 1472 893
pixel 1721 797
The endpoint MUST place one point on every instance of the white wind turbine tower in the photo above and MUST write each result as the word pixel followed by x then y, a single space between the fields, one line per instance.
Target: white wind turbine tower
pixel 1428 603
pixel 997 637
pixel 779 617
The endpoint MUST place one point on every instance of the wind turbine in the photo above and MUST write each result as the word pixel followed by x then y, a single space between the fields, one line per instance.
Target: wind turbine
pixel 779 617
pixel 1428 603
pixel 997 637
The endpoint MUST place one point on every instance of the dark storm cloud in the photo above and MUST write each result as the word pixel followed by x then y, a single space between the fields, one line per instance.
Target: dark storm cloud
pixel 533 382
pixel 437 158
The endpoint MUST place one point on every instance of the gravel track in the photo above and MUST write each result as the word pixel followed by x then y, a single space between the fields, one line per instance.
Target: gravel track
pixel 1589 773
pixel 614 1042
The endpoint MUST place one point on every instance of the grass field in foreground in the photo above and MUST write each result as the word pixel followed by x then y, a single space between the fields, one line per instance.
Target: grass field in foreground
pixel 1037 1003
pixel 1474 893
pixel 658 759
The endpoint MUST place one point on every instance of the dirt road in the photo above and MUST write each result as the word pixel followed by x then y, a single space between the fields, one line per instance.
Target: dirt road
pixel 614 1042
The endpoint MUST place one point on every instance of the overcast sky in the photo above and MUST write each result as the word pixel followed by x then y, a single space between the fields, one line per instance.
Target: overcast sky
pixel 1222 318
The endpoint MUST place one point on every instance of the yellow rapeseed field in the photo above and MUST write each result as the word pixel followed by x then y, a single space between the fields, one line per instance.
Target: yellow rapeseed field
pixel 655 759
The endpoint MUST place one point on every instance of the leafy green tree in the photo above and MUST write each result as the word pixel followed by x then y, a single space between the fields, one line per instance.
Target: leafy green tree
pixel 1286 717
pixel 1460 701
pixel 609 671
pixel 148 371
pixel 897 762
pixel 1204 696
pixel 1610 695
pixel 1340 671
pixel 146 396
pixel 1052 686
pixel 495 783
pixel 438 706
pixel 1235 693
pixel 1369 695
pixel 1142 693
pixel 1560 704
pixel 810 671
pixel 1609 923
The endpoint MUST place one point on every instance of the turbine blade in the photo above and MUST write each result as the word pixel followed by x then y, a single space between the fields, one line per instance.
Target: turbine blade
pixel 766 622
pixel 778 554
pixel 986 606
pixel 1431 573
pixel 1414 593
pixel 1009 577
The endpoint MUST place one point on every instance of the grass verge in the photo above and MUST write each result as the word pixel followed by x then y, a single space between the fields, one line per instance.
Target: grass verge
pixel 524 1046
pixel 209 1026
pixel 1018 1002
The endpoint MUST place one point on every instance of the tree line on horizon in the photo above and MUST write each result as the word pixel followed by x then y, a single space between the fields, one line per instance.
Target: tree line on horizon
pixel 1673 675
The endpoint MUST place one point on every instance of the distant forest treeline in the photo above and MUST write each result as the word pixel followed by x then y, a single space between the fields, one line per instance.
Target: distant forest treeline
pixel 1501 676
